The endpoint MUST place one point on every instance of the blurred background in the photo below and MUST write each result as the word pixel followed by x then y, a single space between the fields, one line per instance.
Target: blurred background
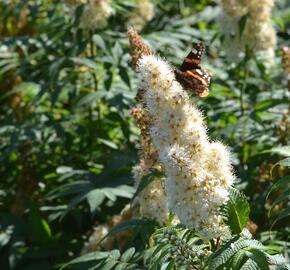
pixel 68 141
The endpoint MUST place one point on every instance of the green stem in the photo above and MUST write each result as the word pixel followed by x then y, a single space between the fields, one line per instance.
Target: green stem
pixel 92 54
pixel 242 108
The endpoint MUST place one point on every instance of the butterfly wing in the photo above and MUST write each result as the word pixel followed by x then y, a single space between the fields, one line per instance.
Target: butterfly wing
pixel 190 80
pixel 190 75
pixel 193 59
pixel 200 75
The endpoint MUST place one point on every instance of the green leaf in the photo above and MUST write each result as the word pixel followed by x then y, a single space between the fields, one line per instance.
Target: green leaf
pixel 168 265
pixel 124 191
pixel 281 150
pixel 284 196
pixel 92 256
pixel 128 225
pixel 85 62
pixel 250 265
pixel 99 41
pixel 226 254
pixel 277 259
pixel 109 265
pixel 123 72
pixel 121 266
pixel 267 104
pixel 259 257
pixel 242 24
pixel 90 99
pixel 108 143
pixel 5 236
pixel 95 198
pixel 128 254
pixel 64 169
pixel 282 183
pixel 284 213
pixel 238 259
pixel 117 52
pixel 40 227
pixel 162 255
pixel 115 254
pixel 109 80
pixel 236 211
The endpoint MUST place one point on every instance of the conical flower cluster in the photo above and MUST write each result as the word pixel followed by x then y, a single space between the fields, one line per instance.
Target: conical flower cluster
pixel 152 200
pixel 141 14
pixel 95 12
pixel 198 171
pixel 258 34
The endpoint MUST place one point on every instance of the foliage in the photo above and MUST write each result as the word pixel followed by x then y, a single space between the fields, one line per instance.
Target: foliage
pixel 68 142
pixel 236 211
pixel 284 185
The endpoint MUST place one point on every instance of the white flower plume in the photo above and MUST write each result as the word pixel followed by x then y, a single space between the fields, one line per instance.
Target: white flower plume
pixel 198 171
pixel 259 33
pixel 95 12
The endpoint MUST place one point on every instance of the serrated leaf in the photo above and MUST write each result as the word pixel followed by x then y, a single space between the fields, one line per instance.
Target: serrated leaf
pixel 238 259
pixel 277 259
pixel 236 211
pixel 246 234
pixel 250 265
pixel 259 257
pixel 223 256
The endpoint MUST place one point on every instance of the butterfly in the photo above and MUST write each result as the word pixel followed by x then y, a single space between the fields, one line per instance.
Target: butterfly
pixel 190 74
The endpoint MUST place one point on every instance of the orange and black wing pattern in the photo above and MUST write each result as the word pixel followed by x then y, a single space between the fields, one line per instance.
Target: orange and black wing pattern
pixel 190 75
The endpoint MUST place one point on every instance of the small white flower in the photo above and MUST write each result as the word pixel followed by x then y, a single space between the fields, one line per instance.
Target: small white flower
pixel 259 33
pixel 95 13
pixel 198 172
pixel 141 15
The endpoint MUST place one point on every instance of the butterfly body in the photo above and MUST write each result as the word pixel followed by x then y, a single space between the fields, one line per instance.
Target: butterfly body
pixel 190 74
